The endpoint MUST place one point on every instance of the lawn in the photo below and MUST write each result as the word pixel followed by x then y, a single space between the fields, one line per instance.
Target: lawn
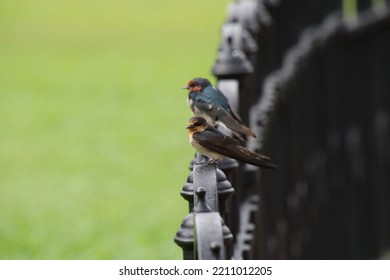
pixel 93 146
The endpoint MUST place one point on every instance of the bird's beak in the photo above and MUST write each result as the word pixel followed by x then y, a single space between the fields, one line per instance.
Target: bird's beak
pixel 190 126
pixel 186 87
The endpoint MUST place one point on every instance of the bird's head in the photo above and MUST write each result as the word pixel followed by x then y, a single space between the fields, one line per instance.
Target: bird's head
pixel 196 124
pixel 197 84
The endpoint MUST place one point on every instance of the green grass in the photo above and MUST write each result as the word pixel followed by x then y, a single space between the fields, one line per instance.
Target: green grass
pixel 93 147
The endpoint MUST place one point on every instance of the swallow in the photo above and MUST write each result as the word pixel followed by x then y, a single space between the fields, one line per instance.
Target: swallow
pixel 208 101
pixel 212 143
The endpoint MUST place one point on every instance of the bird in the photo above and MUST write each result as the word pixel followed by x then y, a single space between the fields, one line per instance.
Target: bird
pixel 208 101
pixel 215 145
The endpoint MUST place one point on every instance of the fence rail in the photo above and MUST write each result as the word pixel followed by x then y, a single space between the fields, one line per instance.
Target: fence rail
pixel 312 78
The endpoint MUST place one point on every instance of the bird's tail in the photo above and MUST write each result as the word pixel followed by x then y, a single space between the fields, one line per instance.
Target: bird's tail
pixel 256 159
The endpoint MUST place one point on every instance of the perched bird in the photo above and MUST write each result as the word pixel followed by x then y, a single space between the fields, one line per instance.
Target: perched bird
pixel 212 143
pixel 208 101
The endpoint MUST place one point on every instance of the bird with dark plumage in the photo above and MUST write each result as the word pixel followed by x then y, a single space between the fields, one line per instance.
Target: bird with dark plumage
pixel 212 143
pixel 208 101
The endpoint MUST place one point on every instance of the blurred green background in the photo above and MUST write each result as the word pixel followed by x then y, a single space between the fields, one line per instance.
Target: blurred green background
pixel 93 146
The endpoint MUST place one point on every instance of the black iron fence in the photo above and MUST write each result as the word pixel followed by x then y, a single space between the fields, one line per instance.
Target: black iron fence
pixel 312 78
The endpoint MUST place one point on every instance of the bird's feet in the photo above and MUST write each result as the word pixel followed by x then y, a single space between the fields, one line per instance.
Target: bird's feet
pixel 212 161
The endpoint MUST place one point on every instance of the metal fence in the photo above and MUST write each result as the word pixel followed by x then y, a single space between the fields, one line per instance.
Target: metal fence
pixel 312 78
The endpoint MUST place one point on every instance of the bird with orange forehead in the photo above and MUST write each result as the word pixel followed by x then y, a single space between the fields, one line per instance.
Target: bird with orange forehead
pixel 215 145
pixel 208 101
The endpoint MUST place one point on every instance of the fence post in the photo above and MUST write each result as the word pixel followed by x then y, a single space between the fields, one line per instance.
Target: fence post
pixel 208 229
pixel 205 176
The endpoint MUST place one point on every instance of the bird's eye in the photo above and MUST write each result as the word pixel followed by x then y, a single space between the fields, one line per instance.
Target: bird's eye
pixel 197 124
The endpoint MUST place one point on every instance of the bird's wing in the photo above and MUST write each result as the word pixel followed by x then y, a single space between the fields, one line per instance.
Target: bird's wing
pixel 232 121
pixel 235 116
pixel 227 146
pixel 201 106
pixel 216 96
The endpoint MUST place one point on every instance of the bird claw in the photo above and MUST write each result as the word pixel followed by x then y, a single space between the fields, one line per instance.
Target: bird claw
pixel 210 161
